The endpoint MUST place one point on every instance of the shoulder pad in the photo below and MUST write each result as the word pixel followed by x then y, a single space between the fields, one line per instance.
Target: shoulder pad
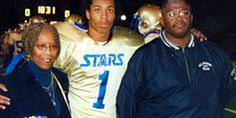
pixel 69 32
pixel 13 37
pixel 127 36
pixel 151 37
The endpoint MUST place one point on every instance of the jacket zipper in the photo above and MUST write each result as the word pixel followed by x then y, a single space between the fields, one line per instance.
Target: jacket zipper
pixel 186 65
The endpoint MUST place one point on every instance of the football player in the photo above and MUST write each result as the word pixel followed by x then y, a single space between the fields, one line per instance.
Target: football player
pixel 96 60
pixel 15 40
pixel 36 19
pixel 6 51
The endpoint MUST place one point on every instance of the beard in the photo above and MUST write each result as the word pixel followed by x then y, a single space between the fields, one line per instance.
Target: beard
pixel 179 33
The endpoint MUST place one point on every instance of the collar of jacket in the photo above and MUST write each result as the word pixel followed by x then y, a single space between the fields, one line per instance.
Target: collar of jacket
pixel 169 44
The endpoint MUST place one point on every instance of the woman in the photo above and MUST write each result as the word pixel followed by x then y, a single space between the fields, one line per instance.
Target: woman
pixel 35 87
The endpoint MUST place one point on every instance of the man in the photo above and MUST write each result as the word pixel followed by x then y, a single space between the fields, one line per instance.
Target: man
pixel 147 21
pixel 95 61
pixel 177 76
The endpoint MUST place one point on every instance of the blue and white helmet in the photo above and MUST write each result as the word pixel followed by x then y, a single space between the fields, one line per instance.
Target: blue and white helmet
pixel 147 19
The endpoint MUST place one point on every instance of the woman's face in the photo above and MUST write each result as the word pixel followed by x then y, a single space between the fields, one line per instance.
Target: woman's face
pixel 45 50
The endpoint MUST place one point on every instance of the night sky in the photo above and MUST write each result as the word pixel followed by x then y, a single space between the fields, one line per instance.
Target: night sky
pixel 218 14
pixel 215 18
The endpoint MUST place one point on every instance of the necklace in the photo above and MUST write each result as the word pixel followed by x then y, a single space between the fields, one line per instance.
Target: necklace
pixel 50 85
pixel 51 94
pixel 51 90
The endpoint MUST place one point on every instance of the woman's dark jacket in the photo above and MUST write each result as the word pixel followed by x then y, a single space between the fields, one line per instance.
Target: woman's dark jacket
pixel 28 98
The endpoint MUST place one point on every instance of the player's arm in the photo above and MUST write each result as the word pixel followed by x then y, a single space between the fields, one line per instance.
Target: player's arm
pixel 4 101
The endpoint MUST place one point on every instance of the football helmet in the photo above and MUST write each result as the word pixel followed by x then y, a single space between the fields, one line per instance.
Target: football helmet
pixel 74 18
pixel 37 19
pixel 22 26
pixel 147 19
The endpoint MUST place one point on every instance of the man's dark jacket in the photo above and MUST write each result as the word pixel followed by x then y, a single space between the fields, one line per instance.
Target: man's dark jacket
pixel 166 81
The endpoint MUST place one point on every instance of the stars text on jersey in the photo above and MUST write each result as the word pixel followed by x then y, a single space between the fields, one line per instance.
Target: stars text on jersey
pixel 98 60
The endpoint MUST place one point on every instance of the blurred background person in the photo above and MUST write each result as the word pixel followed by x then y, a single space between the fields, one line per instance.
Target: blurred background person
pixel 6 51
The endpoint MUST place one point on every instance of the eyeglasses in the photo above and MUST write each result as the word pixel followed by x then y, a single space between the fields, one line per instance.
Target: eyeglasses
pixel 174 14
pixel 44 47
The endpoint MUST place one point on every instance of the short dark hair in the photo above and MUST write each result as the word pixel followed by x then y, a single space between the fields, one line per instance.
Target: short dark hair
pixel 31 34
pixel 85 4
pixel 165 2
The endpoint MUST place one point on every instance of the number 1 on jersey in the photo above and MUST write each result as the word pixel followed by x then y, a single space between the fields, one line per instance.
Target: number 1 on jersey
pixel 102 90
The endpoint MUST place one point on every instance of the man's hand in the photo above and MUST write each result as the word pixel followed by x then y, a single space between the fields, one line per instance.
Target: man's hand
pixel 4 101
pixel 198 34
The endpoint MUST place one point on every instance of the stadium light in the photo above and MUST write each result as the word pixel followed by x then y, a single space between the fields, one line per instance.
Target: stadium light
pixel 123 17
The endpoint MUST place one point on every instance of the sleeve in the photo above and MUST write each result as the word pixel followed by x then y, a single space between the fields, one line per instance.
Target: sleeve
pixel 62 57
pixel 64 61
pixel 228 84
pixel 132 88
pixel 70 38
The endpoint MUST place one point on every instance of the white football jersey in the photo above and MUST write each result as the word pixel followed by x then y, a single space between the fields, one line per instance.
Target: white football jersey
pixel 94 71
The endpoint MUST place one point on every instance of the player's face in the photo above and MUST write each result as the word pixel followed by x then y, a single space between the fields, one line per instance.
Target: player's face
pixel 101 16
pixel 45 50
pixel 177 19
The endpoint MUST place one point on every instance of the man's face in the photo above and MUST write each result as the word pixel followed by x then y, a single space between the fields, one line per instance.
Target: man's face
pixel 177 19
pixel 101 16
